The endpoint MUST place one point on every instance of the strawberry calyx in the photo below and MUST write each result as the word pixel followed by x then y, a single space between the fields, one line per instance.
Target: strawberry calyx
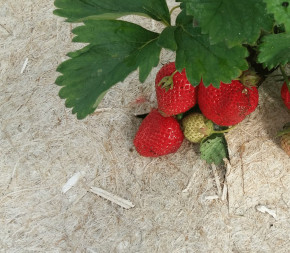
pixel 249 79
pixel 167 81
pixel 207 129
pixel 286 130
pixel 179 116
pixel 212 131
pixel 283 132
pixel 223 131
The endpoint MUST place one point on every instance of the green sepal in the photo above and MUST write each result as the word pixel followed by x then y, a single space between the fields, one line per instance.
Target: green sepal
pixel 214 149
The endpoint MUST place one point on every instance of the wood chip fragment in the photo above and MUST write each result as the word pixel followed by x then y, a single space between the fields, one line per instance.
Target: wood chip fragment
pixel 228 172
pixel 113 198
pixel 264 209
pixel 72 181
pixel 228 167
pixel 225 192
pixel 24 65
pixel 211 197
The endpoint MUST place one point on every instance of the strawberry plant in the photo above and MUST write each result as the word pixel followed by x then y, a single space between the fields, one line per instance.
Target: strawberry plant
pixel 216 42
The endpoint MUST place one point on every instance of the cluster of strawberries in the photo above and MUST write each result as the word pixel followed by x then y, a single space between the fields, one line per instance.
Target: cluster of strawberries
pixel 162 131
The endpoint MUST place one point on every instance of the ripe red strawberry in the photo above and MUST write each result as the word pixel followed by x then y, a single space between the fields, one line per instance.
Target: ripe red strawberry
pixel 174 93
pixel 229 104
pixel 285 94
pixel 158 135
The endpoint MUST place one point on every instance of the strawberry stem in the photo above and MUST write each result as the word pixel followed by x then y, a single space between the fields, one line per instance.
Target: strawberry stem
pixel 224 131
pixel 167 81
pixel 286 131
pixel 217 132
pixel 179 116
pixel 249 78
pixel 174 8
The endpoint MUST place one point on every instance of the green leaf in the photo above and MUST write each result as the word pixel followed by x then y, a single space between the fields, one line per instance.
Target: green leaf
pixel 213 63
pixel 275 50
pixel 183 18
pixel 214 149
pixel 79 10
pixel 281 11
pixel 167 38
pixel 117 48
pixel 234 21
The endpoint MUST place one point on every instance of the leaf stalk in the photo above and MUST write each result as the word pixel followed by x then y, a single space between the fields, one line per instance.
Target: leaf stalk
pixel 173 9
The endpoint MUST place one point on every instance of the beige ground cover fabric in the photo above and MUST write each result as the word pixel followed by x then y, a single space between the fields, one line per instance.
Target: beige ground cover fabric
pixel 49 161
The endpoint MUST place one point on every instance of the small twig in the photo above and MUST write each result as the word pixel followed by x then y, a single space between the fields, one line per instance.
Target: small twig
pixel 211 197
pixel 72 181
pixel 225 192
pixel 24 65
pixel 228 172
pixel 113 198
pixel 264 209
pixel 241 152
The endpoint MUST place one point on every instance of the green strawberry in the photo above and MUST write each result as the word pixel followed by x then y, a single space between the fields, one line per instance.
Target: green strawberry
pixel 196 127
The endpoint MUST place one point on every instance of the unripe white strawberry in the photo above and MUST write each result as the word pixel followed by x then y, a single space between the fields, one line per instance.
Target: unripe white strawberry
pixel 196 127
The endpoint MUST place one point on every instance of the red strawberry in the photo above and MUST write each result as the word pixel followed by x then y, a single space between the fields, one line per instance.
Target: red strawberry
pixel 158 135
pixel 174 93
pixel 229 104
pixel 285 94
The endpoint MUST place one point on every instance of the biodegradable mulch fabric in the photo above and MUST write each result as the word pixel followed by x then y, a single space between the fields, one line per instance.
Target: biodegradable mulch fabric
pixel 49 161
